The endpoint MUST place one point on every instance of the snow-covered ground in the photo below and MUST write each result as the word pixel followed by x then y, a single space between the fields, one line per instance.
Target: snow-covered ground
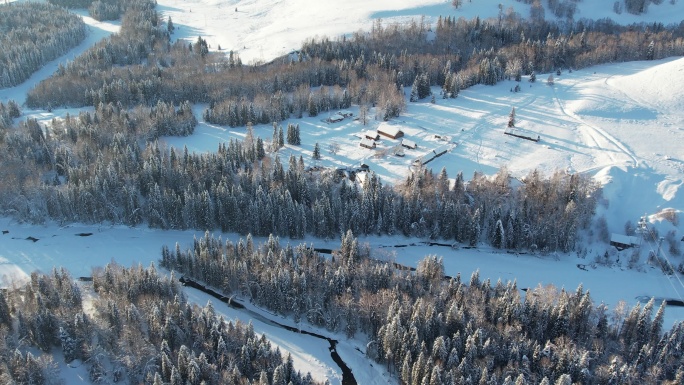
pixel 621 123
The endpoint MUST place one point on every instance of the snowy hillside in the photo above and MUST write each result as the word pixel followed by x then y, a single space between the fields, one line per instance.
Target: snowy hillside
pixel 260 31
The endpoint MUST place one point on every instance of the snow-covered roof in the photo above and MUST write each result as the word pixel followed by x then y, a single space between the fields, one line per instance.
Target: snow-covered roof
pixel 370 134
pixel 365 142
pixel 392 131
pixel 409 143
pixel 624 239
pixel 335 117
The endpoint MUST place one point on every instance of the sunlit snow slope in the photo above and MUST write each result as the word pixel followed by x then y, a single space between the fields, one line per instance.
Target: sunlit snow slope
pixel 263 30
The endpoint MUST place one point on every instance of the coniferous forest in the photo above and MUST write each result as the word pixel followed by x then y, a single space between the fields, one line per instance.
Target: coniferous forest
pixel 139 329
pixel 32 35
pixel 105 165
pixel 431 329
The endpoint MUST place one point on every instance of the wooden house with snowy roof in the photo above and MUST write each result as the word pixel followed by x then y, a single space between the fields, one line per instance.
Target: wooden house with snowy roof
pixel 391 132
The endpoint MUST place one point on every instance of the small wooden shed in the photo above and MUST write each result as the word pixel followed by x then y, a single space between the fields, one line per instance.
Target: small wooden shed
pixel 367 143
pixel 372 135
pixel 409 144
pixel 622 242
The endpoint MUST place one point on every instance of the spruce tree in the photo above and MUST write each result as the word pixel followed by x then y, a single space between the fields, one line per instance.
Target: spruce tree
pixel 312 106
pixel 423 86
pixel 281 140
pixel 260 151
pixel 316 152
pixel 499 238
pixel 274 139
pixel 290 134
pixel 68 345
pixel 414 91
pixel 5 317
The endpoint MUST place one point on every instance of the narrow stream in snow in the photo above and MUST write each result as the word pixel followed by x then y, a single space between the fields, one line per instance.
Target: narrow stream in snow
pixel 347 375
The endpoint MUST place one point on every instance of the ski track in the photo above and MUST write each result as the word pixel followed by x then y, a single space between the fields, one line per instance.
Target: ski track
pixel 594 131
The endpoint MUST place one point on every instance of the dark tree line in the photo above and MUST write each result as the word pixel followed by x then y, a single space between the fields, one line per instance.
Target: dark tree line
pixel 98 9
pixel 488 51
pixel 141 330
pixel 637 7
pixel 559 8
pixel 430 330
pixel 72 3
pixel 32 35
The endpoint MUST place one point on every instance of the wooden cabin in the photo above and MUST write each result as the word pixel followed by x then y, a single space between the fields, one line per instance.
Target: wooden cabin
pixel 391 132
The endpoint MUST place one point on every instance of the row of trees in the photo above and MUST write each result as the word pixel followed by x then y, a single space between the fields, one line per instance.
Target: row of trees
pixel 488 51
pixel 279 107
pixel 637 7
pixel 98 9
pixel 559 8
pixel 141 330
pixel 32 35
pixel 429 329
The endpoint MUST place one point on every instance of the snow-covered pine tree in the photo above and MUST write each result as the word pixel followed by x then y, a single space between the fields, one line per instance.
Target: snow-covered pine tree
pixel 511 118
pixel 316 152
pixel 414 91
pixel 499 240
